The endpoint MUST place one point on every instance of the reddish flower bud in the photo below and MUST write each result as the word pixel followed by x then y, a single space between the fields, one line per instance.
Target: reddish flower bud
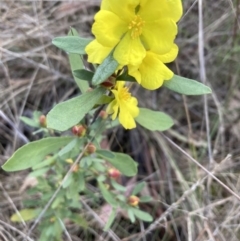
pixel 114 173
pixel 43 121
pixel 133 200
pixel 103 114
pixel 75 168
pixel 79 130
pixel 109 83
pixel 91 148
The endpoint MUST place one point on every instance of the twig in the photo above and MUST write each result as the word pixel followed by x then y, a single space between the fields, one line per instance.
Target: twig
pixel 203 168
pixel 203 76
pixel 16 230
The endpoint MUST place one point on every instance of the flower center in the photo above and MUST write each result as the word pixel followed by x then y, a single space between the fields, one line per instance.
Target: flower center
pixel 136 26
pixel 124 94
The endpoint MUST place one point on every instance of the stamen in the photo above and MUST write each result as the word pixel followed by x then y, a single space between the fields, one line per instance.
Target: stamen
pixel 136 26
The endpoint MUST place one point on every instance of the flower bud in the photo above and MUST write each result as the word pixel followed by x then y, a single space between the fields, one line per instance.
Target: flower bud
pixel 103 114
pixel 109 83
pixel 114 173
pixel 79 130
pixel 69 160
pixel 133 200
pixel 91 148
pixel 75 168
pixel 43 121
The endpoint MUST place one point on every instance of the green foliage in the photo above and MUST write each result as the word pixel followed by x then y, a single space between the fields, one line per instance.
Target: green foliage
pixel 186 86
pixel 106 69
pixel 124 163
pixel 25 214
pixel 154 120
pixel 110 220
pixel 71 44
pixel 142 215
pixel 34 152
pixel 52 157
pixel 69 113
pixel 138 188
pixel 83 74
pixel 76 62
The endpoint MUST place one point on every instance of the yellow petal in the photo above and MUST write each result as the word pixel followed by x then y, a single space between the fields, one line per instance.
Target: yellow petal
pixel 96 52
pixel 170 56
pixel 113 109
pixel 133 71
pixel 125 9
pixel 125 117
pixel 159 36
pixel 108 28
pixel 151 11
pixel 129 51
pixel 153 72
pixel 105 5
pixel 132 107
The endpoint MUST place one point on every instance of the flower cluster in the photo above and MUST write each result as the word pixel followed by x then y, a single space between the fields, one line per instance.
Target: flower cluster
pixel 141 35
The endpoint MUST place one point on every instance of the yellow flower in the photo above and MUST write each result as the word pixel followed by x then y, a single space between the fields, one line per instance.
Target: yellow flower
pixel 132 27
pixel 123 105
pixel 152 72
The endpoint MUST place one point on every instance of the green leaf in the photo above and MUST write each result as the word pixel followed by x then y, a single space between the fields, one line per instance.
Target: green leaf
pixel 39 172
pixel 76 62
pixel 124 163
pixel 83 74
pixel 154 120
pixel 105 153
pixel 34 152
pixel 105 100
pixel 106 69
pixel 142 215
pixel 110 219
pixel 118 187
pixel 108 196
pixel 126 77
pixel 69 113
pixel 186 86
pixel 68 147
pixel 138 188
pixel 79 220
pixel 47 162
pixel 29 121
pixel 72 44
pixel 131 215
pixel 145 199
pixel 25 214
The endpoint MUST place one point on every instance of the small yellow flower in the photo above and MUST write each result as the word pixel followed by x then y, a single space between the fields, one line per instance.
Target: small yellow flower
pixel 152 72
pixel 123 105
pixel 132 27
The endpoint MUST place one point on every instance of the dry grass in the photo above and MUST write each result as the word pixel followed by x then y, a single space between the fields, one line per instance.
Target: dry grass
pixel 190 201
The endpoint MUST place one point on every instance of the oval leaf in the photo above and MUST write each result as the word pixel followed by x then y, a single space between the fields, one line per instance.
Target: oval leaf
pixel 108 196
pixel 154 120
pixel 142 215
pixel 106 69
pixel 71 112
pixel 76 62
pixel 25 214
pixel 83 74
pixel 34 152
pixel 72 44
pixel 124 163
pixel 186 86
